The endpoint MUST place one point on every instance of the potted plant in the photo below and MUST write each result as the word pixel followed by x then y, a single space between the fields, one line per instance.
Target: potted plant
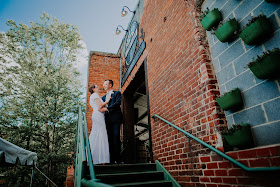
pixel 257 30
pixel 210 19
pixel 239 135
pixel 227 31
pixel 272 1
pixel 267 65
pixel 230 100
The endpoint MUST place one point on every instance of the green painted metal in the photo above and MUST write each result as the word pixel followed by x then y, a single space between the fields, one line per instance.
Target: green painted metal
pixel 90 163
pixel 230 100
pixel 167 175
pixel 216 150
pixel 93 183
pixel 83 154
pixel 226 32
pixel 241 138
pixel 80 153
pixel 257 32
pixel 212 19
pixel 267 68
pixel 272 1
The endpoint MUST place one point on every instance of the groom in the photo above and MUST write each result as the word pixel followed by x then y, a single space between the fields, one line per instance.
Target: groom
pixel 113 119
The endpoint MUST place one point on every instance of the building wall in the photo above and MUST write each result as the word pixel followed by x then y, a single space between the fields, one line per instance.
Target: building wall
pixel 102 66
pixel 181 83
pixel 183 86
pixel 136 17
pixel 220 172
pixel 261 97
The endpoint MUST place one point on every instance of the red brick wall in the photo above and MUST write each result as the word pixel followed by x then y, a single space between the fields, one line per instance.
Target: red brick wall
pixel 102 66
pixel 218 171
pixel 183 87
pixel 70 177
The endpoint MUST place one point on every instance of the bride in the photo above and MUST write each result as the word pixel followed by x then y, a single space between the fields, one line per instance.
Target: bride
pixel 98 137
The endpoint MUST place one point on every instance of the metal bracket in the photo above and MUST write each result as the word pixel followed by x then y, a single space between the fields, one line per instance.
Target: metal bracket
pixel 142 36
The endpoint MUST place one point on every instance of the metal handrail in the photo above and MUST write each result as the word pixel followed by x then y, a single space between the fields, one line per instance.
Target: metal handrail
pixel 216 150
pixel 80 152
pixel 89 157
pixel 83 150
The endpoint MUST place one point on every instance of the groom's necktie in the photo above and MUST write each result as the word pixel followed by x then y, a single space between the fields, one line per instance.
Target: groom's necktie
pixel 107 97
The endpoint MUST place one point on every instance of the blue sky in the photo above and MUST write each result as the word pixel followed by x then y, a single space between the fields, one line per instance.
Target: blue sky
pixel 96 19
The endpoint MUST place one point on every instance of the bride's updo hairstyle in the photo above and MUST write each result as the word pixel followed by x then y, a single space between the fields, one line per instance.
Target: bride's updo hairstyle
pixel 90 88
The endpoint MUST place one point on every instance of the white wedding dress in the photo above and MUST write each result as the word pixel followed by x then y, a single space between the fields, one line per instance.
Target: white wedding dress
pixel 98 137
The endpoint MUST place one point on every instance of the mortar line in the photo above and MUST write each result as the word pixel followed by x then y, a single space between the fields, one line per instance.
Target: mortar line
pixel 240 55
pixel 233 10
pixel 243 19
pixel 265 124
pixel 255 105
pixel 265 114
pixel 277 83
pixel 277 18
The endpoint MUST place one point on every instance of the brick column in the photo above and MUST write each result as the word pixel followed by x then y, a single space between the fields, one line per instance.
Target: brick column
pixel 102 66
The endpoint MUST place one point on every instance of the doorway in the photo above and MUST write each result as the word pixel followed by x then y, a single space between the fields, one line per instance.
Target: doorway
pixel 136 134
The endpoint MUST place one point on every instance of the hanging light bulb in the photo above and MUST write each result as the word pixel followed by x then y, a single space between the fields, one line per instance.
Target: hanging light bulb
pixel 124 12
pixel 118 31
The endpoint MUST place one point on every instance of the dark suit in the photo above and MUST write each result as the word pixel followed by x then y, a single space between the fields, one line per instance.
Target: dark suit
pixel 113 120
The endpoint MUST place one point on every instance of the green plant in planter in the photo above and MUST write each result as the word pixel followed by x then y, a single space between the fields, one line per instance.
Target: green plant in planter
pixel 272 1
pixel 257 30
pixel 267 65
pixel 228 31
pixel 210 19
pixel 239 135
pixel 230 100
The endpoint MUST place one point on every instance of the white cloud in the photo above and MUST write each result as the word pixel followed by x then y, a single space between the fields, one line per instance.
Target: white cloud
pixel 82 66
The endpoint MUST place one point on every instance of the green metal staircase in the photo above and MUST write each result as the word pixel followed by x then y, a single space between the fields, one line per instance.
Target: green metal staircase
pixel 148 174
pixel 132 175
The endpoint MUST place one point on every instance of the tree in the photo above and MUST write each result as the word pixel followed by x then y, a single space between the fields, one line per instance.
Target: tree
pixel 40 95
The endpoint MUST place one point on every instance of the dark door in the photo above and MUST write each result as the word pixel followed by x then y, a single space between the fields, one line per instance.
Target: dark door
pixel 136 143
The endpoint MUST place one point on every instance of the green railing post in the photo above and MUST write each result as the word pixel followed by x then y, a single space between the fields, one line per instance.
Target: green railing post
pixel 216 150
pixel 90 162
pixel 83 154
pixel 80 154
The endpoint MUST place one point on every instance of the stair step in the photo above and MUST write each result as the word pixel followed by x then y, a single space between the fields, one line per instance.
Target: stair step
pixel 130 177
pixel 124 168
pixel 160 183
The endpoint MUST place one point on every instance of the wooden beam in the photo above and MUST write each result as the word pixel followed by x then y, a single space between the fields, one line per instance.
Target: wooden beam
pixel 142 116
pixel 136 98
pixel 140 133
pixel 142 125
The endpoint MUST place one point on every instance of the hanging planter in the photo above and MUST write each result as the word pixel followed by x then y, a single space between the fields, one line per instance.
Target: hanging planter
pixel 230 100
pixel 210 19
pixel 267 65
pixel 272 1
pixel 227 31
pixel 257 30
pixel 239 135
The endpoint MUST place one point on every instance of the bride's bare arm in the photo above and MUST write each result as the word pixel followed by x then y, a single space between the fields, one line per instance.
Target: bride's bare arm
pixel 104 109
pixel 101 104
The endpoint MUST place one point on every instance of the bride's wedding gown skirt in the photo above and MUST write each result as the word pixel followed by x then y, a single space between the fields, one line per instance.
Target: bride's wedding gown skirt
pixel 98 137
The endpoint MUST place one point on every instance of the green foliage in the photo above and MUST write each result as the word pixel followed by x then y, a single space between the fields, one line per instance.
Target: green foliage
pixel 39 95
pixel 204 13
pixel 234 128
pixel 228 92
pixel 253 20
pixel 214 29
pixel 263 56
